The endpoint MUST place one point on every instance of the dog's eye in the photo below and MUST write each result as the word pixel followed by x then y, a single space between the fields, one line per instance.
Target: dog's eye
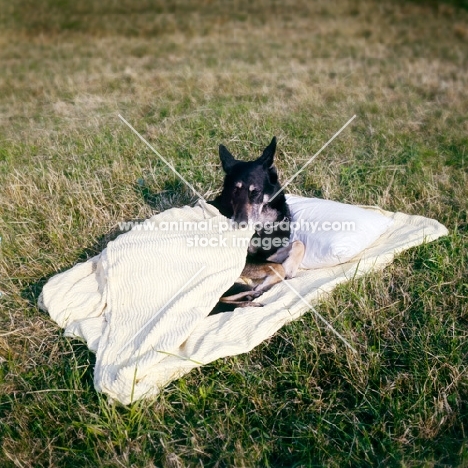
pixel 253 192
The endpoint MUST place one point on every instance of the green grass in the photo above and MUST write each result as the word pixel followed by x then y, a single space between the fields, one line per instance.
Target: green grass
pixel 190 77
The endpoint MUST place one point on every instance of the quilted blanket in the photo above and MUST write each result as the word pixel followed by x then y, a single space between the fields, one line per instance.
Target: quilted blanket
pixel 142 305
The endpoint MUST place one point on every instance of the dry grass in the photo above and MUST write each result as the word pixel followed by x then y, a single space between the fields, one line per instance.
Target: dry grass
pixel 190 77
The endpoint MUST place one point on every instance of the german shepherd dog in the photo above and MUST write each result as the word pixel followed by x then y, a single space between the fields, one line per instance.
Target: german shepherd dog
pixel 247 196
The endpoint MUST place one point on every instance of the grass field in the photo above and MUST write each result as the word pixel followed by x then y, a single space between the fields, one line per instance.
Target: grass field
pixel 190 77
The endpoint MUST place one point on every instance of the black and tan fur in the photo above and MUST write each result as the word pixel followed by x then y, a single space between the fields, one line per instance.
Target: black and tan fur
pixel 247 197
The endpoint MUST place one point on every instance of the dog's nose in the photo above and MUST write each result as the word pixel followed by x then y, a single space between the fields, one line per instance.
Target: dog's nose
pixel 241 213
pixel 240 217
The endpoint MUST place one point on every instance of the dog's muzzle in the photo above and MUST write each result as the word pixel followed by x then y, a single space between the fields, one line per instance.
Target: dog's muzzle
pixel 250 213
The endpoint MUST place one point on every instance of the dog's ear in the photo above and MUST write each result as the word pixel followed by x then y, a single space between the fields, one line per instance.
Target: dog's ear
pixel 266 159
pixel 273 175
pixel 227 159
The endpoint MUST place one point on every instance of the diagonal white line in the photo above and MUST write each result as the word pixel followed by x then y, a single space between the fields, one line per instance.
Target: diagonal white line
pixel 160 157
pixel 312 158
pixel 162 309
pixel 298 294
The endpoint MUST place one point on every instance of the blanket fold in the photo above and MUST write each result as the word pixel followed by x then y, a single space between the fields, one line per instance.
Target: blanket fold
pixel 142 304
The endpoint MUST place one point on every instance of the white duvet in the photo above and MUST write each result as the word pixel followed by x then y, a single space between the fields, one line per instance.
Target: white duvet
pixel 142 305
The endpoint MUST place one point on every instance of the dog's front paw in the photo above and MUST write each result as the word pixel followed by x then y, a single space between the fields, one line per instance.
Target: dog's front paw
pixel 291 272
pixel 255 293
pixel 294 260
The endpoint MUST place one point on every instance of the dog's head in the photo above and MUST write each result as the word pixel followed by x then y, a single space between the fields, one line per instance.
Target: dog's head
pixel 248 186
